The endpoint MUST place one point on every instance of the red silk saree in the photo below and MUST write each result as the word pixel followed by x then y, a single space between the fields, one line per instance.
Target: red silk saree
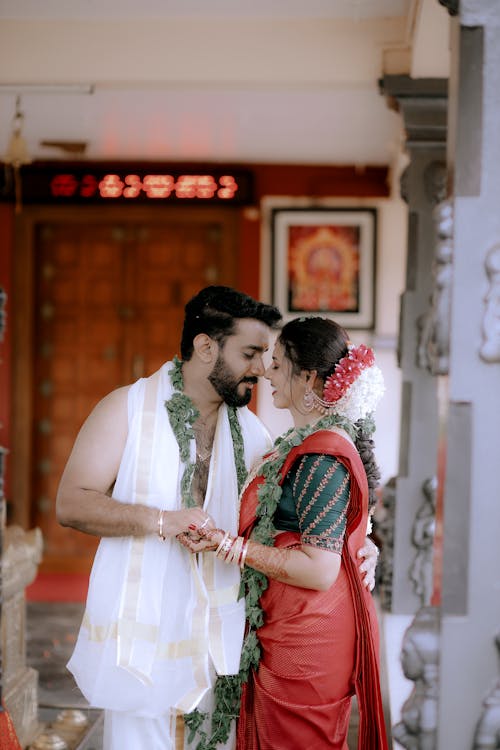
pixel 318 648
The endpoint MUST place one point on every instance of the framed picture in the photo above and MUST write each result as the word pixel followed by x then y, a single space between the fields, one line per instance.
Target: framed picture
pixel 323 263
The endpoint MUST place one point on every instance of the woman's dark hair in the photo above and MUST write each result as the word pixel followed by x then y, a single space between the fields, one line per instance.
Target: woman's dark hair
pixel 318 344
pixel 215 310
pixel 314 344
pixel 366 449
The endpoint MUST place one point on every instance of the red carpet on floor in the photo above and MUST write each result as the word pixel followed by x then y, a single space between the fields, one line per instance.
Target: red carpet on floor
pixel 58 587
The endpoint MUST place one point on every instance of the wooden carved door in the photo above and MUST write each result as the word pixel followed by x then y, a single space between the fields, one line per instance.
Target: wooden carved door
pixel 109 308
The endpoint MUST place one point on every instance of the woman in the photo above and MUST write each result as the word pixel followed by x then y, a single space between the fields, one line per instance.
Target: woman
pixel 311 641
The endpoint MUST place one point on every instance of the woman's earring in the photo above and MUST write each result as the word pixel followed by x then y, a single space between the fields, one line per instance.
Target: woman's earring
pixel 308 400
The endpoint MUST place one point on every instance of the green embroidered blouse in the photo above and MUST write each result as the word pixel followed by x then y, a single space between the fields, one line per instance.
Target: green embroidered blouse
pixel 314 501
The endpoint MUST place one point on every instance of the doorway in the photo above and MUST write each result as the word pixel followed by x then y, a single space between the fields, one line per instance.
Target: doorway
pixel 107 304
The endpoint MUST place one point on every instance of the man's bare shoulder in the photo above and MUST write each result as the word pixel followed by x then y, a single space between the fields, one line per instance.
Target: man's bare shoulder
pixel 110 413
pixel 95 457
pixel 116 399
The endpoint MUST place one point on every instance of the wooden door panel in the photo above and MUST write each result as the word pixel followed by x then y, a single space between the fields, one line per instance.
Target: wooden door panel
pixel 77 297
pixel 171 266
pixel 109 308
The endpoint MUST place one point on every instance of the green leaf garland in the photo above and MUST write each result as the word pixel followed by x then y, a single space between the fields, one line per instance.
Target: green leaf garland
pixel 182 415
pixel 228 689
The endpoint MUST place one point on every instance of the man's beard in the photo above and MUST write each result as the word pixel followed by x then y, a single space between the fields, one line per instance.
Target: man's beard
pixel 226 384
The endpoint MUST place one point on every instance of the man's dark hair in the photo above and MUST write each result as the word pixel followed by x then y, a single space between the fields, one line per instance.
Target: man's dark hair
pixel 215 310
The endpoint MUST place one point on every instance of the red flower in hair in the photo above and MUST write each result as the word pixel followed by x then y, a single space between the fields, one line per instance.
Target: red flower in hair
pixel 346 371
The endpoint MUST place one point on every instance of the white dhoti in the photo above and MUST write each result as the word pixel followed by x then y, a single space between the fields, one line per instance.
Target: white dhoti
pixel 126 731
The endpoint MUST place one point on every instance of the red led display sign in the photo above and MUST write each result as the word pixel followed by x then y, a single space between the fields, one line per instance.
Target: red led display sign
pixel 155 186
pixel 100 183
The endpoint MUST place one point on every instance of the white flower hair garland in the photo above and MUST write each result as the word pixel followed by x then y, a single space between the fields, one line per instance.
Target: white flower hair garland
pixel 355 387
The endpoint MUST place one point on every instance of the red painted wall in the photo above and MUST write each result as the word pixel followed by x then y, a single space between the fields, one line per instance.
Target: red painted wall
pixel 318 182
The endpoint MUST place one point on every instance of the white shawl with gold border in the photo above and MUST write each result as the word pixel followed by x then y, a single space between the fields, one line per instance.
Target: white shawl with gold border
pixel 157 618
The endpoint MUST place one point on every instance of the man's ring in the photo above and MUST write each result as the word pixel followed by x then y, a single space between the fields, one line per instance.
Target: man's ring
pixel 204 523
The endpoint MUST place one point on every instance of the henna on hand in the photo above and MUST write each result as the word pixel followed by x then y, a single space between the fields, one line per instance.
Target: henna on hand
pixel 210 539
pixel 202 540
pixel 272 561
pixel 185 540
pixel 211 535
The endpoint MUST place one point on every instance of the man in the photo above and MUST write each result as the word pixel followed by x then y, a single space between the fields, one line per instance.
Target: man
pixel 154 460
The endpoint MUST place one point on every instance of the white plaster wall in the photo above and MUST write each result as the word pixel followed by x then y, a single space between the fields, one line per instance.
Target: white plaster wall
pixel 199 49
pixel 201 88
pixel 431 41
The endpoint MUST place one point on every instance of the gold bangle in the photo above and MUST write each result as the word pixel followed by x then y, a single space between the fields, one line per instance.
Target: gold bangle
pixel 160 526
pixel 235 551
pixel 221 544
pixel 226 547
pixel 231 551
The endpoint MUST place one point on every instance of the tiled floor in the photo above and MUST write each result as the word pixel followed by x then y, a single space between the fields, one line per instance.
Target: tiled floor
pixel 51 633
pixel 50 636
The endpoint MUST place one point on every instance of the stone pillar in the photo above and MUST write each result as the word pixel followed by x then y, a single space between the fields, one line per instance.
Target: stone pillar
pixel 419 659
pixel 423 106
pixel 470 592
pixel 22 551
pixel 487 734
pixel 20 554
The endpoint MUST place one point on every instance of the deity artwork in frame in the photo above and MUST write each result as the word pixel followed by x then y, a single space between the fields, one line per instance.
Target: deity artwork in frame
pixel 324 263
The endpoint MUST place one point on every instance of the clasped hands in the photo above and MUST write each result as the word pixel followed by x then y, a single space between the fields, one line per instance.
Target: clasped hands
pixel 202 537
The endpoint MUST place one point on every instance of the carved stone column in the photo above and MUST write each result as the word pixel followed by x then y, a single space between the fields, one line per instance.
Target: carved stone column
pixel 20 554
pixel 423 106
pixel 434 338
pixel 22 551
pixel 490 347
pixel 470 521
pixel 421 572
pixel 487 734
pixel 420 661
